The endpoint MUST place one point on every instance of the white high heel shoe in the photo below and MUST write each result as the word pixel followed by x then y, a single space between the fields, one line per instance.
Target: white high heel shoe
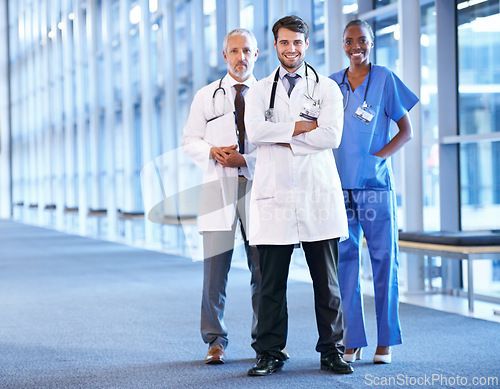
pixel 353 357
pixel 383 358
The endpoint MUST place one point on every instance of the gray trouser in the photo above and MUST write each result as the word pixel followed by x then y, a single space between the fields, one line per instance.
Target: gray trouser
pixel 218 251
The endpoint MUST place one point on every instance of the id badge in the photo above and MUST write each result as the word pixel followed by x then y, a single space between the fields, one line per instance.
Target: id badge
pixel 310 110
pixel 364 113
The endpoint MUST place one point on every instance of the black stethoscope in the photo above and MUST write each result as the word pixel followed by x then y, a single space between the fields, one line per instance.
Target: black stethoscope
pixel 220 88
pixel 348 87
pixel 270 111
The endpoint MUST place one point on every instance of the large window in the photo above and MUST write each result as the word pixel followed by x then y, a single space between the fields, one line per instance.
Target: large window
pixel 479 123
pixel 479 113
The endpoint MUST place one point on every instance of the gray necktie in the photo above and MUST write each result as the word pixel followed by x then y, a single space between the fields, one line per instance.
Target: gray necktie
pixel 291 81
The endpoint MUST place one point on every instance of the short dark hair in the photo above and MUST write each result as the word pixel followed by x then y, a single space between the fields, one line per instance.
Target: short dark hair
pixel 361 23
pixel 293 23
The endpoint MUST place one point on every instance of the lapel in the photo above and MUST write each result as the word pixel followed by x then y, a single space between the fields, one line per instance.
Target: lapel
pixel 229 94
pixel 281 93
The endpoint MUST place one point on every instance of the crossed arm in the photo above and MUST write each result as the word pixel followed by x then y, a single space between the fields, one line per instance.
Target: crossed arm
pixel 302 137
pixel 300 128
pixel 228 156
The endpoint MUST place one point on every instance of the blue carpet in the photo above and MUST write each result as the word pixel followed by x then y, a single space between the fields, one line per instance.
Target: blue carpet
pixel 84 313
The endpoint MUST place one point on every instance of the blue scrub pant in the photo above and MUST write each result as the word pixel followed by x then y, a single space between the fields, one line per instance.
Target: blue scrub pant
pixel 372 212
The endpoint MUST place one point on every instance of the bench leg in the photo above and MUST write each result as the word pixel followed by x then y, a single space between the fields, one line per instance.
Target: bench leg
pixel 470 281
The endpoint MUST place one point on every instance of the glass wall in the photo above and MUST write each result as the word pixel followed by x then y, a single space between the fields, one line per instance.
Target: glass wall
pixel 479 125
pixel 479 113
pixel 100 88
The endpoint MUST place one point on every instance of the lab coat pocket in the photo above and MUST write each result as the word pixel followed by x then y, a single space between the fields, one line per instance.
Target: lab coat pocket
pixel 264 186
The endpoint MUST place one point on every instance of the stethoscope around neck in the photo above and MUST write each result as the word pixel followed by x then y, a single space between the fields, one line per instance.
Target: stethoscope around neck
pixel 219 88
pixel 343 82
pixel 270 111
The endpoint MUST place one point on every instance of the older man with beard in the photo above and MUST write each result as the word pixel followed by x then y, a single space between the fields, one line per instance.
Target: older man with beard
pixel 214 137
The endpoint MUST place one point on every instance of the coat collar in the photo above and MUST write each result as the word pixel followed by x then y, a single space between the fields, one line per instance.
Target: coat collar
pixel 280 90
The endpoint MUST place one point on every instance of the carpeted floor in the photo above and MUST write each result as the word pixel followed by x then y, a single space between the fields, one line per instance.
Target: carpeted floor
pixel 83 313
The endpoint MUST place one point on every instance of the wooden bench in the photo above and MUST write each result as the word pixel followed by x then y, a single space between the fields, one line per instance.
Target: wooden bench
pixel 465 245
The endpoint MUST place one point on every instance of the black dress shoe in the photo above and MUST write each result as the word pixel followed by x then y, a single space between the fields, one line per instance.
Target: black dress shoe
pixel 265 366
pixel 336 364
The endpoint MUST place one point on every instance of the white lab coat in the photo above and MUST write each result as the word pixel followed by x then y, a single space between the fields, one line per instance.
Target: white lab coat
pixel 296 194
pixel 220 184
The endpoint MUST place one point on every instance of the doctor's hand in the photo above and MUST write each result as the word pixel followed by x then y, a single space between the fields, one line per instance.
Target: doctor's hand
pixel 228 156
pixel 304 126
pixel 218 153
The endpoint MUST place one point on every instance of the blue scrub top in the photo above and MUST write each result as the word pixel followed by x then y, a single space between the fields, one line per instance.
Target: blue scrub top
pixel 390 99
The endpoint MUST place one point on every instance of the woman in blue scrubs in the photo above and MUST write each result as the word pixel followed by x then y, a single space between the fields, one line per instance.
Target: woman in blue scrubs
pixel 373 97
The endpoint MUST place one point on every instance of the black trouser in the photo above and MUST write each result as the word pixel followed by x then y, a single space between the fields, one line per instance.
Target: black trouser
pixel 272 328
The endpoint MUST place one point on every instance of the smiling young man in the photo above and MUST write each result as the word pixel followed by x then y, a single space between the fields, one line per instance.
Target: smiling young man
pixel 214 137
pixel 294 117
